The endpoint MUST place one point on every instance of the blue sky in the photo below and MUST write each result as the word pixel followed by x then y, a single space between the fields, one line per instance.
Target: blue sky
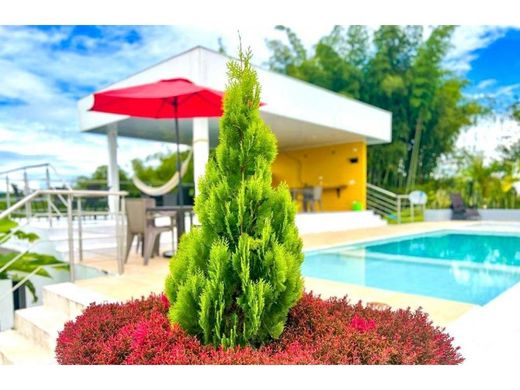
pixel 44 70
pixel 500 60
pixel 496 68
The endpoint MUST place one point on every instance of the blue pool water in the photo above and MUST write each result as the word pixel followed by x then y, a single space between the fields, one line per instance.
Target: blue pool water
pixel 472 268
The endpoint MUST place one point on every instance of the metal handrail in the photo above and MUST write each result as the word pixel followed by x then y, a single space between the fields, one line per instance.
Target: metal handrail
pixel 27 277
pixel 381 197
pixel 33 166
pixel 382 207
pixel 25 167
pixel 388 209
pixel 19 204
pixel 27 190
pixel 387 203
pixel 60 177
pixel 74 193
pixel 118 213
pixel 384 202
pixel 74 219
pixel 382 190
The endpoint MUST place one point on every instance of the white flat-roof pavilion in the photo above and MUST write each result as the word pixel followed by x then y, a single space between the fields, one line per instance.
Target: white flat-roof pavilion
pixel 301 115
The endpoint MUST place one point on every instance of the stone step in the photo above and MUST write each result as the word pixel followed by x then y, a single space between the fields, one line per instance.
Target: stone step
pixel 70 299
pixel 33 339
pixel 17 349
pixel 40 324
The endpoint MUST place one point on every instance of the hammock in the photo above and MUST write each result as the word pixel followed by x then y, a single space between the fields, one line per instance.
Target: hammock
pixel 166 187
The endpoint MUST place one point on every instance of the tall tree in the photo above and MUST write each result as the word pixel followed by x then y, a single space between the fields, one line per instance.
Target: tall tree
pixel 234 279
pixel 450 112
pixel 396 70
pixel 426 78
pixel 386 85
pixel 337 63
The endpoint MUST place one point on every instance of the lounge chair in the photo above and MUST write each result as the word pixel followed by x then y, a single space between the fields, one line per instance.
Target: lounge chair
pixel 459 211
pixel 138 225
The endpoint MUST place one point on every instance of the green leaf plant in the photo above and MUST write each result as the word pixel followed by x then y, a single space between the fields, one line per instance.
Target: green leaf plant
pixel 26 263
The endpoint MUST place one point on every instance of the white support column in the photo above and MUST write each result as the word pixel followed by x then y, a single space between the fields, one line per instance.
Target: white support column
pixel 113 169
pixel 200 148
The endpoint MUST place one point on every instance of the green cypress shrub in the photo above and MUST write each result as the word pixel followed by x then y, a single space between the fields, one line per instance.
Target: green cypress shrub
pixel 234 279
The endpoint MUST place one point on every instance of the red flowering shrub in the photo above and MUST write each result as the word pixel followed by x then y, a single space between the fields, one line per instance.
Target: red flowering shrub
pixel 86 340
pixel 317 332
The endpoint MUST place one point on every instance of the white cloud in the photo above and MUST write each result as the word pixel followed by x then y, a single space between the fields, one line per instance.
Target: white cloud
pixel 37 71
pixel 466 40
pixel 500 97
pixel 22 41
pixel 488 135
pixel 484 84
pixel 74 155
pixel 7 135
pixel 21 84
pixel 252 36
pixel 36 68
pixel 507 90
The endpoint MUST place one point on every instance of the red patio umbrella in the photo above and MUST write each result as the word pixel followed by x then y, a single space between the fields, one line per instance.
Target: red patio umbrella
pixel 173 98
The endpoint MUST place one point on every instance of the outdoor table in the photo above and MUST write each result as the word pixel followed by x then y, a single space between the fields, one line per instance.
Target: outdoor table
pixel 177 212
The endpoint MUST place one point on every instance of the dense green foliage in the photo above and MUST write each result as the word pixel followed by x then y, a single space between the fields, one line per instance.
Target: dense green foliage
pixel 25 264
pixel 515 111
pixel 234 279
pixel 165 167
pixel 99 181
pixel 397 70
pixel 158 168
pixel 481 184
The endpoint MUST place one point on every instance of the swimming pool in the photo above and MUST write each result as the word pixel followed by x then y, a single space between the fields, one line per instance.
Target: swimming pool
pixel 471 267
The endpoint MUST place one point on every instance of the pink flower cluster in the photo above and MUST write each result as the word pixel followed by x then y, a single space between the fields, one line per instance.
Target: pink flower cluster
pixel 318 331
pixel 361 324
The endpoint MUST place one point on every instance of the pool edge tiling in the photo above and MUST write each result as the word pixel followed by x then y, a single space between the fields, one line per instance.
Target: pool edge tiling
pixel 444 264
pixel 441 311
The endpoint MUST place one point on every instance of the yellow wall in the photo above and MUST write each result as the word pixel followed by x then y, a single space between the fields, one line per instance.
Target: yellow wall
pixel 330 166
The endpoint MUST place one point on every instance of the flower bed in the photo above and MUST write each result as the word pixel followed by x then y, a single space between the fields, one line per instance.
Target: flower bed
pixel 317 332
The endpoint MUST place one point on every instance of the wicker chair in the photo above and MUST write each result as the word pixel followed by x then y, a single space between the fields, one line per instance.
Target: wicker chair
pixel 139 225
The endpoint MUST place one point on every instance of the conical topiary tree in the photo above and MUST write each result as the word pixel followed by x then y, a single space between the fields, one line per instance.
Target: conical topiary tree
pixel 234 279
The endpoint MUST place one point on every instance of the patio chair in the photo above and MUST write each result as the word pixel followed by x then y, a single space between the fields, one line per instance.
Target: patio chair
pixel 311 197
pixel 459 211
pixel 138 225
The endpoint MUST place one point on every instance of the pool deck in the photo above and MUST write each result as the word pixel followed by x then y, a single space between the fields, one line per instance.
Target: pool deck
pixel 323 240
pixel 139 280
pixel 488 334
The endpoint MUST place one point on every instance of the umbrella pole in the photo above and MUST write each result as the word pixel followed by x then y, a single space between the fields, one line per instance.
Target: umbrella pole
pixel 180 199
